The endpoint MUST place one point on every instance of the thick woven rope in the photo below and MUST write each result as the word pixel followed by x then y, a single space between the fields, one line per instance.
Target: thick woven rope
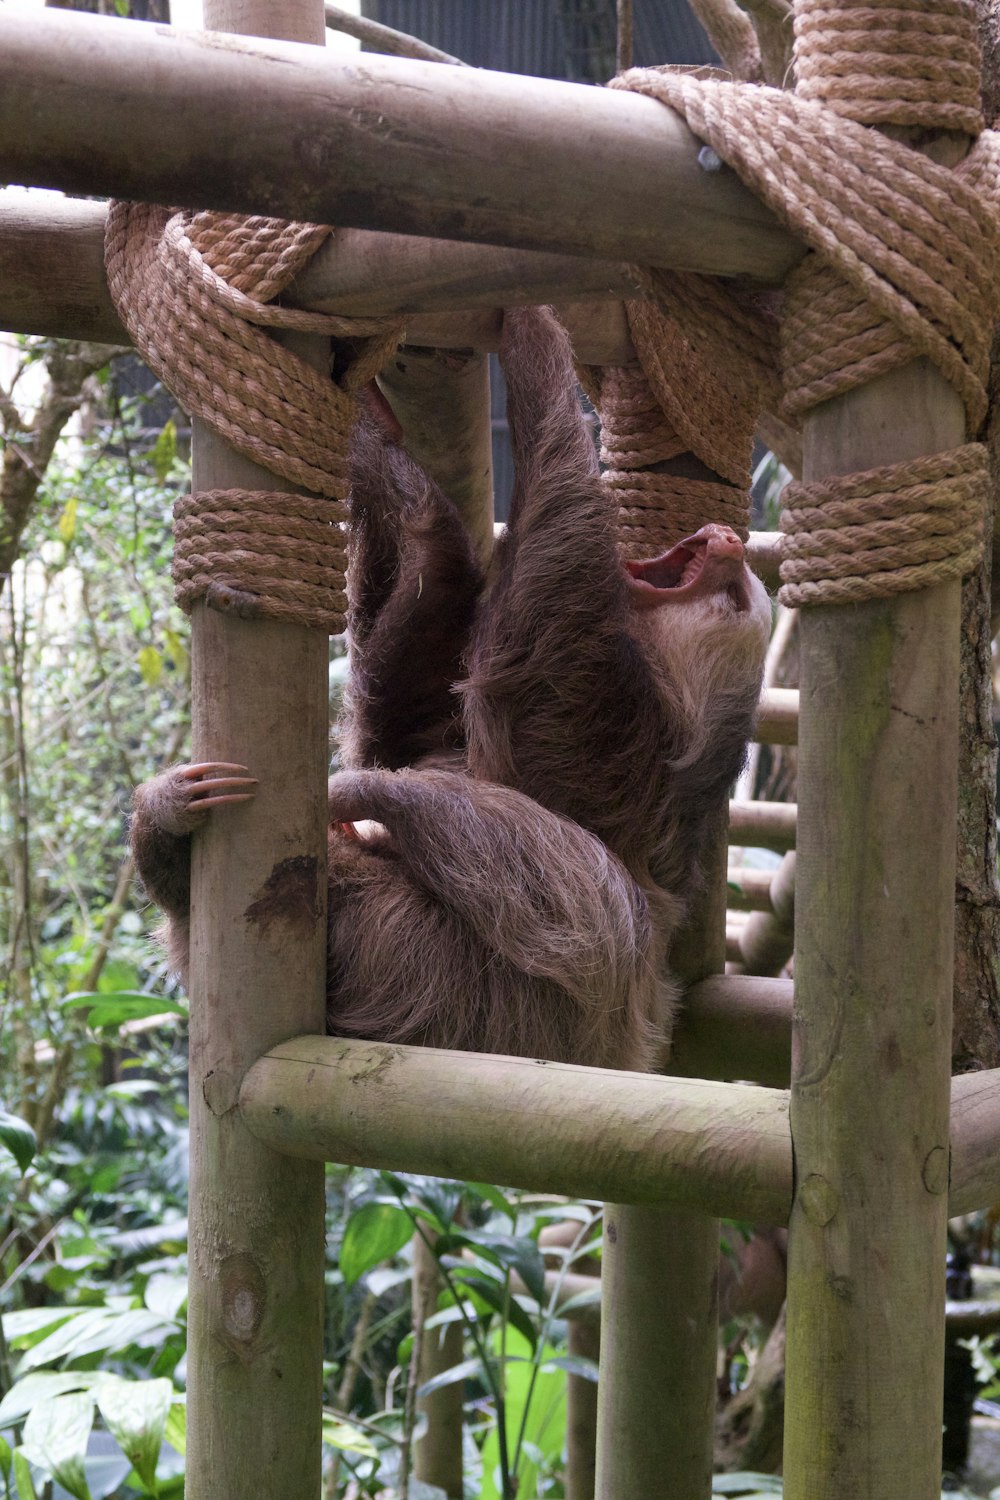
pixel 891 63
pixel 918 243
pixel 884 531
pixel 235 548
pixel 193 291
pixel 704 358
pixel 906 262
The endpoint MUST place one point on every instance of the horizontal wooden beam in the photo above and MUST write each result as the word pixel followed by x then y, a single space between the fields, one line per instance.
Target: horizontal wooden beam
pixel 449 294
pixel 628 1137
pixel 722 1148
pixel 748 889
pixel 975 1142
pixel 107 107
pixel 763 825
pixel 734 1026
pixel 778 717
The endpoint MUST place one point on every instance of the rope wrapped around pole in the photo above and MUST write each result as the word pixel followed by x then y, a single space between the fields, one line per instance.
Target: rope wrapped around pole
pixel 196 294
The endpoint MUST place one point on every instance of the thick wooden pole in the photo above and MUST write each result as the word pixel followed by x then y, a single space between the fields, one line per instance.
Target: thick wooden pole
pixel 437 1457
pixel 659 1295
pixel 441 399
pixel 257 976
pixel 878 739
pixel 587 1132
pixel 109 107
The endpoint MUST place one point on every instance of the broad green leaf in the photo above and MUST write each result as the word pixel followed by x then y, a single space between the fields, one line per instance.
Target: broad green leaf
pixel 150 665
pixel 67 521
pixel 573 1364
pixel 42 1386
pixel 97 1330
pixel 109 1012
pixel 164 452
pixel 373 1233
pixel 19 1138
pixel 55 1439
pixel 578 1300
pixel 544 1425
pixel 512 1252
pixel 29 1325
pixel 6 1459
pixel 340 1434
pixel 135 1413
pixel 468 1369
pixel 166 1293
pixel 494 1196
pixel 500 1301
pixel 22 1477
pixel 176 1429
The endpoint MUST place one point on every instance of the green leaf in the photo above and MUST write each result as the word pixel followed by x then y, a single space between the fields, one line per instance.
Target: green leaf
pixel 109 1012
pixel 135 1413
pixel 510 1252
pixel 55 1439
pixel 340 1434
pixel 544 1416
pixel 176 1429
pixel 372 1234
pixel 494 1196
pixel 22 1477
pixel 150 665
pixel 19 1138
pixel 177 651
pixel 6 1459
pixel 500 1301
pixel 67 521
pixel 573 1364
pixel 98 1330
pixel 164 452
pixel 42 1385
pixel 578 1300
pixel 467 1370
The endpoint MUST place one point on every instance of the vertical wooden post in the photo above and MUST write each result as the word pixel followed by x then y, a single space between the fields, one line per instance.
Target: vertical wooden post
pixel 441 398
pixel 659 1295
pixel 438 1454
pixel 256 1241
pixel 878 741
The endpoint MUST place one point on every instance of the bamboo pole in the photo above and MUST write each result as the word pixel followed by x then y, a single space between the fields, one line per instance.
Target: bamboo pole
pixel 378 143
pixel 256 1222
pixel 878 739
pixel 586 1132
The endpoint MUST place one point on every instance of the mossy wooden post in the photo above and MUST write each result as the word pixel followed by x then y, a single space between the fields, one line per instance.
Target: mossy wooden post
pixel 659 1293
pixel 256 1220
pixel 878 741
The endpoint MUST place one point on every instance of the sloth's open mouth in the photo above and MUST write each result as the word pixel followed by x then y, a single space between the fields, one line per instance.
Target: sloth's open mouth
pixel 710 562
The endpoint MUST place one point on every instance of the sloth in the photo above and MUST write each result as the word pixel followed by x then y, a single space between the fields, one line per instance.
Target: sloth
pixel 531 760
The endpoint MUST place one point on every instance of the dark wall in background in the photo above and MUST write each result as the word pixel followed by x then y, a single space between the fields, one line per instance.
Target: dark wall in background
pixel 571 39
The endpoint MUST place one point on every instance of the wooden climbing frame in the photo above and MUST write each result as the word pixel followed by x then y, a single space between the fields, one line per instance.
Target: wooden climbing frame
pixel 276 128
